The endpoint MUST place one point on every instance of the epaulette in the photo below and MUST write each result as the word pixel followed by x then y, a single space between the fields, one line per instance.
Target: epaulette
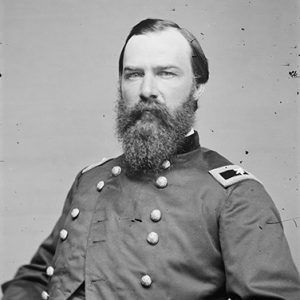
pixel 104 160
pixel 231 174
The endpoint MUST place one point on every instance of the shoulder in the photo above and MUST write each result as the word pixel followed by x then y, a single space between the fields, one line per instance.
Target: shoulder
pixel 223 171
pixel 91 174
pixel 95 164
pixel 242 189
pixel 100 168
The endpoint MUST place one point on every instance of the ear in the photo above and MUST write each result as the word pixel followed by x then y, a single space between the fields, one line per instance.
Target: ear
pixel 199 91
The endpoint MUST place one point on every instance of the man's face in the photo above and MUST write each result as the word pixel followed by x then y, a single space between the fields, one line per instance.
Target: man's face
pixel 157 65
pixel 156 104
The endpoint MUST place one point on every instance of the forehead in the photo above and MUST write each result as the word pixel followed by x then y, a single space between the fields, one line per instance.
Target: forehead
pixel 162 48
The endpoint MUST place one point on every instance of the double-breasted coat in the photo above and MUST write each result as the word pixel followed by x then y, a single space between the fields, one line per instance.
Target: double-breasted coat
pixel 182 234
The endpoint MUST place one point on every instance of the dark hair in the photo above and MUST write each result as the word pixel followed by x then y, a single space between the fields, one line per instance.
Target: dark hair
pixel 198 59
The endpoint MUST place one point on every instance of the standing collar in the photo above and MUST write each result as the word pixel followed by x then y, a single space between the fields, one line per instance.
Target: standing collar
pixel 190 143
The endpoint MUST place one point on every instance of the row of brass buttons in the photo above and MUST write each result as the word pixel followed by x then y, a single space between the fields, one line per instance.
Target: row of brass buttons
pixel 63 234
pixel 155 216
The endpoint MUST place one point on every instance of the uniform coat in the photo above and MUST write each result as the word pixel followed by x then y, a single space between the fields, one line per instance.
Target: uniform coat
pixel 213 242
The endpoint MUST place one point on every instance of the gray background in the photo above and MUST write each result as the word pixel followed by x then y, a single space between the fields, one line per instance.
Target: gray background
pixel 59 85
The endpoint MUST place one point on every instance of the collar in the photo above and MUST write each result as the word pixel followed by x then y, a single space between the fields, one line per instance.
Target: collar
pixel 190 132
pixel 190 142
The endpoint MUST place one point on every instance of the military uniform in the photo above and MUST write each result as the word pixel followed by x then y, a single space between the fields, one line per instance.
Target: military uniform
pixel 201 229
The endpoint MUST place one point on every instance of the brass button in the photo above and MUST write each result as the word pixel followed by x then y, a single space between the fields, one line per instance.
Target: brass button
pixel 161 182
pixel 146 281
pixel 166 164
pixel 116 170
pixel 155 215
pixel 50 271
pixel 100 185
pixel 45 295
pixel 152 238
pixel 63 234
pixel 75 212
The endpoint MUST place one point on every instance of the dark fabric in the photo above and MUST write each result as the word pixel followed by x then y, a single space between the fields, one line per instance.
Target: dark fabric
pixel 79 293
pixel 191 143
pixel 231 173
pixel 214 242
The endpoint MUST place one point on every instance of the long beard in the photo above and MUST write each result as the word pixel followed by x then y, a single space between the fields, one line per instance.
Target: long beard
pixel 150 133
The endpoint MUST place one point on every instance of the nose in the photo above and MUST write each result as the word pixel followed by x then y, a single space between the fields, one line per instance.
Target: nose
pixel 148 88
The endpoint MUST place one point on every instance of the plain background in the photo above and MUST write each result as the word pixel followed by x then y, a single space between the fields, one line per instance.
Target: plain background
pixel 59 85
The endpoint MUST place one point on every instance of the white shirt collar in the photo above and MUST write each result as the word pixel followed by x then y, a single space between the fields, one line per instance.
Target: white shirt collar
pixel 190 132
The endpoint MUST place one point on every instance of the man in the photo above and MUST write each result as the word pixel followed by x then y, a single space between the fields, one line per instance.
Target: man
pixel 167 219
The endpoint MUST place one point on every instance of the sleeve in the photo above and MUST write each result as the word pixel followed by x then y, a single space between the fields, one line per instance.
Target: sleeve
pixel 257 258
pixel 31 279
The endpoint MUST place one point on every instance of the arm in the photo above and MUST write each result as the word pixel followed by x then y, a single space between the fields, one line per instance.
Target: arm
pixel 31 279
pixel 257 259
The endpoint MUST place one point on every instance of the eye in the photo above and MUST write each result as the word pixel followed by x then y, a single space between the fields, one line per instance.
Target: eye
pixel 133 75
pixel 166 74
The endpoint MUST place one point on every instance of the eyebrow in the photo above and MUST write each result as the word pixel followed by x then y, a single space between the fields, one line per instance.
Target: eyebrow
pixel 133 68
pixel 129 68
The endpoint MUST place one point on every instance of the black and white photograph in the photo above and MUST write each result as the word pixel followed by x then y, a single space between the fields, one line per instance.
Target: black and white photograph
pixel 149 150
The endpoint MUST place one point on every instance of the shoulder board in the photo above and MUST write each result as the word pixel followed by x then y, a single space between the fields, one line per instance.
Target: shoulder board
pixel 231 174
pixel 104 160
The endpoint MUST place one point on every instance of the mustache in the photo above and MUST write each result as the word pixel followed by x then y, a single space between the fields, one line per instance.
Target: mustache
pixel 153 107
